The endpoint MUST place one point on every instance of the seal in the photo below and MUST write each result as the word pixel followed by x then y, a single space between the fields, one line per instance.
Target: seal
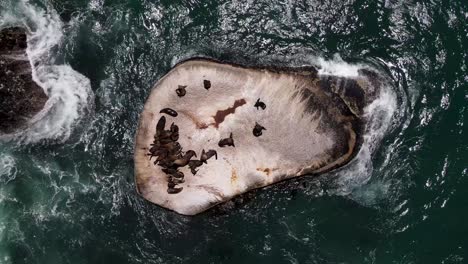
pixel 257 131
pixel 227 142
pixel 193 165
pixel 174 190
pixel 207 155
pixel 173 172
pixel 169 111
pixel 206 84
pixel 181 92
pixel 160 126
pixel 260 104
pixel 185 159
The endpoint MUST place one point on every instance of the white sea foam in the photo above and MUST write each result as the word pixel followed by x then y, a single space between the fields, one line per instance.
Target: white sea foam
pixel 379 116
pixel 7 169
pixel 69 92
pixel 337 67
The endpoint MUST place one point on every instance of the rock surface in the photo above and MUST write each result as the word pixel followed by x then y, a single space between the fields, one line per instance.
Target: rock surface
pixel 312 124
pixel 20 97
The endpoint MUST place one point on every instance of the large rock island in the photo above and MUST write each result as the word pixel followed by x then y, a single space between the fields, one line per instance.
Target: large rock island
pixel 20 97
pixel 210 131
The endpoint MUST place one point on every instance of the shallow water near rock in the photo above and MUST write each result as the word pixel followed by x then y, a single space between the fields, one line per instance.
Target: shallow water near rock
pixel 66 186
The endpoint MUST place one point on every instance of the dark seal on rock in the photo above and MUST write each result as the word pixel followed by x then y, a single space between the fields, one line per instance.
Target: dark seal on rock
pixel 20 97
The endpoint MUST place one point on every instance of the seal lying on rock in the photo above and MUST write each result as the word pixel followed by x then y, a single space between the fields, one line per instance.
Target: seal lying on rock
pixel 227 142
pixel 314 122
pixel 20 97
pixel 260 104
pixel 181 92
pixel 257 131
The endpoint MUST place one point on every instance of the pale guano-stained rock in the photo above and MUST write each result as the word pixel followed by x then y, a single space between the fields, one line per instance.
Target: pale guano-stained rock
pixel 313 124
pixel 20 97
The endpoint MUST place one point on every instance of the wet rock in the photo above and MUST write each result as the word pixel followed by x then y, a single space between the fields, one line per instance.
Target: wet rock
pixel 20 97
pixel 315 124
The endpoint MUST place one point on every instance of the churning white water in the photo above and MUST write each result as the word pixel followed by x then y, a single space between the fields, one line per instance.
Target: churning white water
pixel 69 92
pixel 380 118
pixel 337 67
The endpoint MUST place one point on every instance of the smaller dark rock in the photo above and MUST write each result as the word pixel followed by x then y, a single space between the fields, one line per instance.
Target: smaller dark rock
pixel 20 97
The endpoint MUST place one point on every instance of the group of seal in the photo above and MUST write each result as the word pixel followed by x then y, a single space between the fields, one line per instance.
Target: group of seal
pixel 170 156
pixel 169 153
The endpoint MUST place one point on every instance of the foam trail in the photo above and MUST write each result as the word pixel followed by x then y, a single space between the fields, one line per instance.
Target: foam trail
pixel 7 170
pixel 337 67
pixel 379 114
pixel 69 92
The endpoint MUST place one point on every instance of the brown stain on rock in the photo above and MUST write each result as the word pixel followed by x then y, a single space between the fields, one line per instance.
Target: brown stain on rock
pixel 221 114
pixel 198 123
pixel 219 117
pixel 234 177
pixel 267 171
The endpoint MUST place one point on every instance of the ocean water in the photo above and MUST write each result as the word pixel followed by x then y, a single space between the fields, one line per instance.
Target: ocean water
pixel 66 184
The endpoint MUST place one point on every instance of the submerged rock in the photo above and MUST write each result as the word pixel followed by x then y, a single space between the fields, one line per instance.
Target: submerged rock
pixel 20 97
pixel 310 124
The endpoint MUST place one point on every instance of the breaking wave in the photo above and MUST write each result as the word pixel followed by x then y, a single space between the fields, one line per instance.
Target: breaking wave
pixel 383 116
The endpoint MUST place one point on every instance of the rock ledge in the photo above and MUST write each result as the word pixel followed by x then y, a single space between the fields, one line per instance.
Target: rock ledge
pixel 302 124
pixel 20 97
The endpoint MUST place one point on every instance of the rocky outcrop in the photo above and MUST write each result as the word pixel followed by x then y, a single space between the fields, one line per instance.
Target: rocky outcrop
pixel 230 129
pixel 20 97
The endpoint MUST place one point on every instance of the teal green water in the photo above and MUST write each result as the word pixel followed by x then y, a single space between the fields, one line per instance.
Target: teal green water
pixel 66 189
